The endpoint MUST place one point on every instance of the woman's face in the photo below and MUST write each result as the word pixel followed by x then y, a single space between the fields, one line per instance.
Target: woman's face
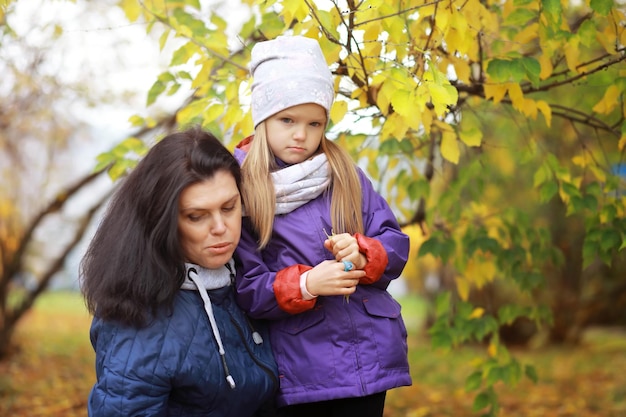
pixel 295 133
pixel 209 220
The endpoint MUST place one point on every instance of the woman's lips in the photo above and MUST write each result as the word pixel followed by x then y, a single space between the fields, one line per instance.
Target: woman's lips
pixel 220 248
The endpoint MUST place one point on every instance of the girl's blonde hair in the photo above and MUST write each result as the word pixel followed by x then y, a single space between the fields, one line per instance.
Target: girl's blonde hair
pixel 259 197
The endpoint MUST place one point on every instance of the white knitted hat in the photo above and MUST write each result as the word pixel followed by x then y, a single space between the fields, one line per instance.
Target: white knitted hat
pixel 288 71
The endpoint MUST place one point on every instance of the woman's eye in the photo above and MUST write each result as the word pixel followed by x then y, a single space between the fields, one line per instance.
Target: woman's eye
pixel 194 217
pixel 230 208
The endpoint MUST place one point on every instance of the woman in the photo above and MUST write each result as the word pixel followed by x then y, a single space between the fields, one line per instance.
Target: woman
pixel 157 276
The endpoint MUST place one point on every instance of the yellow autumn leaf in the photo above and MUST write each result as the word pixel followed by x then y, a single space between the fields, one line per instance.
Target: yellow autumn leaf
pixel 442 19
pixel 232 116
pixel 457 35
pixel 516 95
pixel 132 9
pixel 213 112
pixel 462 70
pixel 546 110
pixel 441 98
pixel 527 35
pixel 462 287
pixel 401 101
pixel 372 31
pixel 371 53
pixel 294 10
pixel 492 350
pixel 471 137
pixel 546 66
pixel 495 92
pixel 477 313
pixel 190 111
pixel 480 271
pixel 580 160
pixel 572 54
pixel 427 121
pixel 394 127
pixel 609 101
pixel 450 147
pixel 338 111
pixel 622 142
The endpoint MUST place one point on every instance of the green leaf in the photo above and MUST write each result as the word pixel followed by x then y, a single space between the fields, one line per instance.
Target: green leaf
pixel 531 373
pixel 481 401
pixel 547 190
pixel 431 245
pixel 442 304
pixel 552 9
pixel 494 375
pixel 473 381
pixel 499 70
pixel 484 243
pixel 183 54
pixel 390 146
pixel 520 16
pixel 532 69
pixel 602 7
pixel 509 312
pixel 155 91
pixel 611 240
pixel 419 188
pixel 441 340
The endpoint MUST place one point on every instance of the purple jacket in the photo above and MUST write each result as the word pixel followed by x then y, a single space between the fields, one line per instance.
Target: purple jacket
pixel 333 349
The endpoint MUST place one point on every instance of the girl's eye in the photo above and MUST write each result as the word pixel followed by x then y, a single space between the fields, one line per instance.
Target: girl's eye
pixel 316 124
pixel 227 209
pixel 285 120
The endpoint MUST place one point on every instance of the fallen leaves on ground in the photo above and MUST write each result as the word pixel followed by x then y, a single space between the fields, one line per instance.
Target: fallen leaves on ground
pixel 51 372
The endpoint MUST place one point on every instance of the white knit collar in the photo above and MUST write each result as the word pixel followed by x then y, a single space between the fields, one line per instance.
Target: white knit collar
pixel 210 279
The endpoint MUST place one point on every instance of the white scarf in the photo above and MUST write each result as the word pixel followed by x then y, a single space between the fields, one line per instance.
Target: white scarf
pixel 300 183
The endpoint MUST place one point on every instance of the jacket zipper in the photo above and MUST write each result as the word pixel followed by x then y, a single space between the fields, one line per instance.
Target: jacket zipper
pixel 256 360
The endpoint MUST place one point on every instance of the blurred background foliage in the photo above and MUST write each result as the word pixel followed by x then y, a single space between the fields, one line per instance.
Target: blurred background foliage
pixel 494 129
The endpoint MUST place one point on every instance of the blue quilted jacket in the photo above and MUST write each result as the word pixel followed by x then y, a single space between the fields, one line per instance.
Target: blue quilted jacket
pixel 172 367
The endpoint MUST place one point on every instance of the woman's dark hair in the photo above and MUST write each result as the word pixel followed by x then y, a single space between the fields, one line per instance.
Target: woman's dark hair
pixel 134 263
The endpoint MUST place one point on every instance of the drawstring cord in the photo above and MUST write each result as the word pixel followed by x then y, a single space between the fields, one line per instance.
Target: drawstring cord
pixel 208 307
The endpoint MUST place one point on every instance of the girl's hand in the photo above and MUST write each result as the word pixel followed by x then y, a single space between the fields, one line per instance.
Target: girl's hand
pixel 345 247
pixel 330 278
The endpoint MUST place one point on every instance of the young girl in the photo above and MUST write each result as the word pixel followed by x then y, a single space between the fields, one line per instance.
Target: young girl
pixel 319 246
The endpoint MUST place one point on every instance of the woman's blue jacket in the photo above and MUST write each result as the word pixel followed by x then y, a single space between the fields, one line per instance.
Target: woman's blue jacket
pixel 172 367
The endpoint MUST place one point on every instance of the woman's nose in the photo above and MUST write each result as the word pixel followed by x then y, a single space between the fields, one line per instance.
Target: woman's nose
pixel 218 225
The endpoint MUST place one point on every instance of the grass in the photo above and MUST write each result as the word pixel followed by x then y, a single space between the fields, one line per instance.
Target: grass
pixel 51 371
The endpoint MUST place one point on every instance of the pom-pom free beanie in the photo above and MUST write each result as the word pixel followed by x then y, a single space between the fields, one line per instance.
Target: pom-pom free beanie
pixel 288 71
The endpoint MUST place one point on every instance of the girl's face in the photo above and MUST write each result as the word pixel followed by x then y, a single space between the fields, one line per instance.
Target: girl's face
pixel 209 220
pixel 295 133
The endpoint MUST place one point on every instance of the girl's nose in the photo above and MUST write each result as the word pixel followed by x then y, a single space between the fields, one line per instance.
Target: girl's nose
pixel 299 132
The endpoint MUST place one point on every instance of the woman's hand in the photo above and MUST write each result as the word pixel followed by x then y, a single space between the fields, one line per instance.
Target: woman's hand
pixel 345 247
pixel 330 278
